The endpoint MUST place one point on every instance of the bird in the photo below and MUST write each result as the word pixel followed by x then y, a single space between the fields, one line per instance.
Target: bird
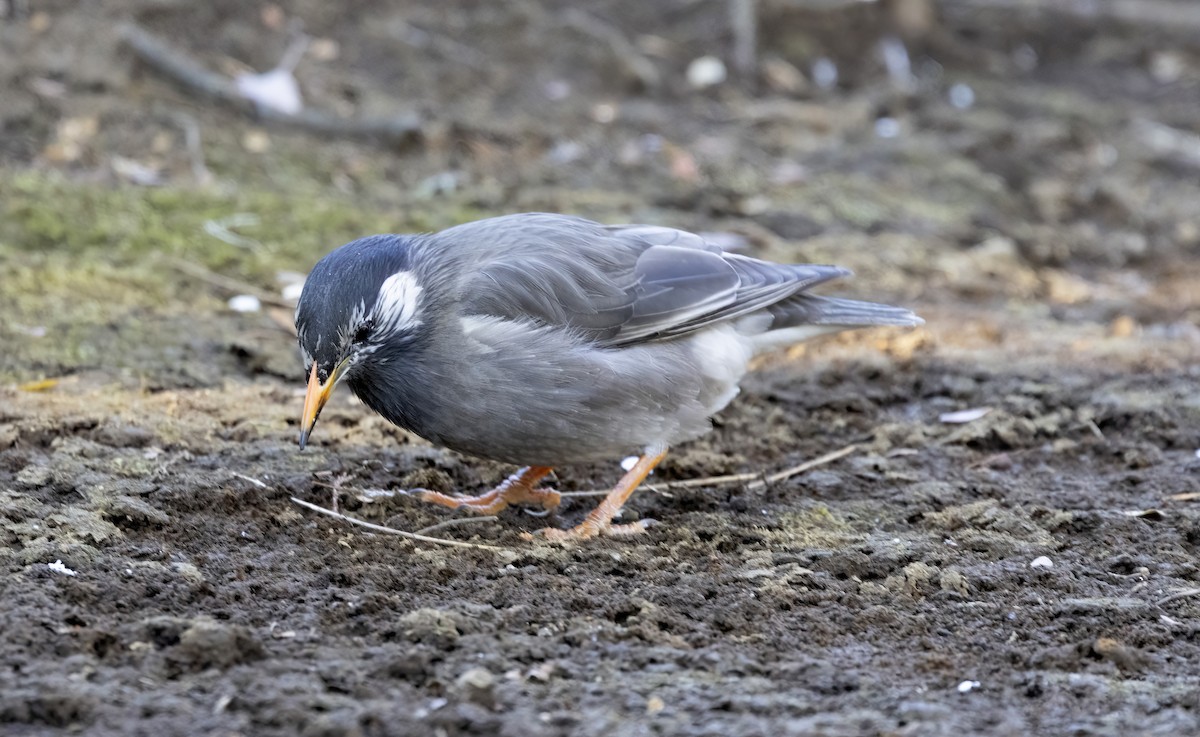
pixel 542 340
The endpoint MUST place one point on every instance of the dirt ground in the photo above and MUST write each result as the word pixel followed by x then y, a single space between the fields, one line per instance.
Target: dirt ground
pixel 1008 546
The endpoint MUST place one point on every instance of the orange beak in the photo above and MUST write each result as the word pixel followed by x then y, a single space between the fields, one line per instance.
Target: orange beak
pixel 315 399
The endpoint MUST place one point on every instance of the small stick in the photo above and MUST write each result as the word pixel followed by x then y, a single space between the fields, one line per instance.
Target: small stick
pixel 759 481
pixel 1178 595
pixel 1169 15
pixel 222 229
pixel 743 19
pixel 391 530
pixel 455 523
pixel 169 61
pixel 251 479
pixel 806 466
pixel 226 283
pixel 622 49
pixel 195 148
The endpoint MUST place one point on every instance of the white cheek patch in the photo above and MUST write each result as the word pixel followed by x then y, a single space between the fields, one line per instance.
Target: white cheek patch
pixel 399 298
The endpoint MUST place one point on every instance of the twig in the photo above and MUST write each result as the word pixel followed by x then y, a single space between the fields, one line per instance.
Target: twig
pixel 456 523
pixel 222 229
pixel 186 71
pixel 1178 595
pixel 758 480
pixel 251 479
pixel 334 485
pixel 1187 496
pixel 1169 143
pixel 806 466
pixel 195 148
pixel 227 283
pixel 743 20
pixel 450 49
pixel 390 530
pixel 622 49
pixel 1169 15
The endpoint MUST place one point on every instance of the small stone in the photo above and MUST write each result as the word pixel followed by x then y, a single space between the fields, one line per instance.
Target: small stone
pixel 477 686
pixel 245 303
pixel 33 477
pixel 887 127
pixel 825 73
pixel 1041 562
pixel 291 292
pixel 706 71
pixel 781 75
pixel 256 141
pixel 58 567
pixel 1167 67
pixel 962 96
pixel 431 626
pixel 967 686
pixel 1123 326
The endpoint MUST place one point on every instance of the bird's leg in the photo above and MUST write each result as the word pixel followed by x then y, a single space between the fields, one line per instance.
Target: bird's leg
pixel 516 489
pixel 599 521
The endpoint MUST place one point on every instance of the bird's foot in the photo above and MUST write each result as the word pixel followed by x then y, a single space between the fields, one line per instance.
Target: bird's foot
pixel 516 489
pixel 495 500
pixel 599 521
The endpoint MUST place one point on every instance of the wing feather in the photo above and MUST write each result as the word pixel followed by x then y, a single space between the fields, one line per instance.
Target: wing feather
pixel 615 285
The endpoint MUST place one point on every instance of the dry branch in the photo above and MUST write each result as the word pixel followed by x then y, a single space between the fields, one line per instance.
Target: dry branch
pixel 391 530
pixel 757 480
pixel 172 63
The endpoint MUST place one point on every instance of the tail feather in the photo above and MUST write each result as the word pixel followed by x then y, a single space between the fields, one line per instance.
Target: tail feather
pixel 834 312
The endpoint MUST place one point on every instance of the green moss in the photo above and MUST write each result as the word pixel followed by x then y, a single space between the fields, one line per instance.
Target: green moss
pixel 89 276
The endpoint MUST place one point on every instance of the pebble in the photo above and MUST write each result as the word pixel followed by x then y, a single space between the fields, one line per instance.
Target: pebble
pixel 1041 562
pixel 962 96
pixel 706 71
pixel 887 127
pixel 477 686
pixel 245 303
pixel 825 73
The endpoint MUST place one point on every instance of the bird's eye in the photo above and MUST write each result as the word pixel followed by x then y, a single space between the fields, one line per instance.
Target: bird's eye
pixel 364 331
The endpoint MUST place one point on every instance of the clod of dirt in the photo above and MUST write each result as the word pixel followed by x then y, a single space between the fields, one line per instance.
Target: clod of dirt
pixel 132 513
pixel 1126 658
pixel 916 579
pixel 477 686
pixel 76 524
pixel 432 626
pixel 54 709
pixel 122 436
pixel 954 582
pixel 34 476
pixel 208 644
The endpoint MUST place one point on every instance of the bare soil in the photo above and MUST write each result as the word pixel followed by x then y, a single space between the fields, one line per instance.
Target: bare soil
pixel 1030 571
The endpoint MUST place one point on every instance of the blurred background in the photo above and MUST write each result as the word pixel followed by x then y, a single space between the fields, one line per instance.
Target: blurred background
pixel 1004 542
pixel 974 153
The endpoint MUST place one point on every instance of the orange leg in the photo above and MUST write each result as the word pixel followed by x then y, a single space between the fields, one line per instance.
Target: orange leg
pixel 599 521
pixel 516 489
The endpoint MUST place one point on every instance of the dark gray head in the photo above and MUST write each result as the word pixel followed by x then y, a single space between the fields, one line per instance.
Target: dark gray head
pixel 360 300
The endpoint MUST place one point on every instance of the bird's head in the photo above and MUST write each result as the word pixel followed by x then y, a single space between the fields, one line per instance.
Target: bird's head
pixel 360 303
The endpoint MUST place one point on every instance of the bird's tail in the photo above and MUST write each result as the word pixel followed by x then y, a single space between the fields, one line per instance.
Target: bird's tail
pixel 806 316
pixel 808 309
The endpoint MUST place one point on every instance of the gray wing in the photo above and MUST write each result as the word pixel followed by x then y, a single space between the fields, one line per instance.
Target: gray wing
pixel 616 285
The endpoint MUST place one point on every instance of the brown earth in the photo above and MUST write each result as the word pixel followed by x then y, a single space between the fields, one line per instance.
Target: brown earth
pixel 158 580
